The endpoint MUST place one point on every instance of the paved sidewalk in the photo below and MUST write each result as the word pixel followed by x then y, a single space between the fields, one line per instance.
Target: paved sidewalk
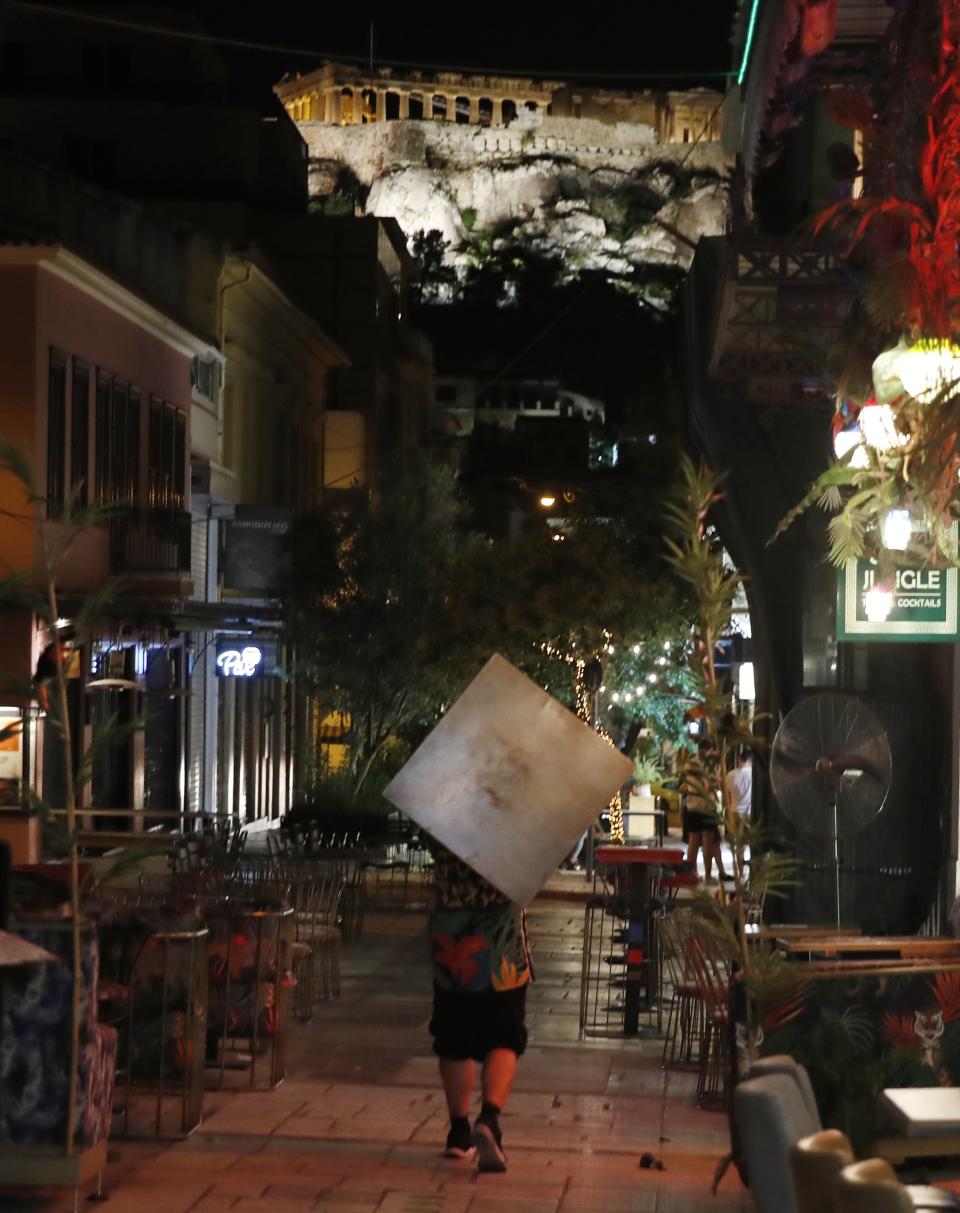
pixel 358 1125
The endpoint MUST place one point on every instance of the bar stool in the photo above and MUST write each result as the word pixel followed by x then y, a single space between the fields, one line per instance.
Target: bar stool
pixel 251 960
pixel 163 1041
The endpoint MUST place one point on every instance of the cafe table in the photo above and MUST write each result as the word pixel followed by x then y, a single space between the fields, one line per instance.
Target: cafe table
pixel 926 1119
pixel 635 869
pixel 862 947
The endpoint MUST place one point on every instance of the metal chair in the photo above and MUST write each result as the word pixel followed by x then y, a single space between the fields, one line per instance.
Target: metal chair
pixel 684 1029
pixel 711 971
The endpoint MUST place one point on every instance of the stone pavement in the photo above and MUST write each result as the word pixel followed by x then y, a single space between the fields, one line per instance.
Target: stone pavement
pixel 358 1125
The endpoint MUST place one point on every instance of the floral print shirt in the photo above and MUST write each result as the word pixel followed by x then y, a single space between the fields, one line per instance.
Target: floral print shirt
pixel 478 936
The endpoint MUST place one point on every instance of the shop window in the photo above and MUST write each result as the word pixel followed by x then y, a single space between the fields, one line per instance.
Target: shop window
pixel 56 432
pixel 439 106
pixel 462 110
pixel 485 110
pixel 391 107
pixel 415 106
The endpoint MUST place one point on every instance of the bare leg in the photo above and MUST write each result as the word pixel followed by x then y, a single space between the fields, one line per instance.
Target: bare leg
pixel 693 845
pixel 711 851
pixel 457 1079
pixel 499 1068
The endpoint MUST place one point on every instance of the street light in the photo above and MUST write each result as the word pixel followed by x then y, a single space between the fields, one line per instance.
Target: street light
pixel 548 501
pixel 895 529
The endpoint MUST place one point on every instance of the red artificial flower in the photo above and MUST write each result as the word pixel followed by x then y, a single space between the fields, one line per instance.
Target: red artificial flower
pixel 900 1030
pixel 946 990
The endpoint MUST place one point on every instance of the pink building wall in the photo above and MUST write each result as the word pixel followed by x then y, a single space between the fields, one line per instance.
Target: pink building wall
pixel 40 310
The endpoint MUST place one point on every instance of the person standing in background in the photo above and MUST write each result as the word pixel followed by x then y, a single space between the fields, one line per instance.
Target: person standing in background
pixel 738 786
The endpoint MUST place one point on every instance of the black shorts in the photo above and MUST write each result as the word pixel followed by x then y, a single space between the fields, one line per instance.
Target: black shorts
pixel 466 1025
pixel 702 823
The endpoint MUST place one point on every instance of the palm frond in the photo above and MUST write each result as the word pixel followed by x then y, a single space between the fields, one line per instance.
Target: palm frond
pixel 16 463
pixel 96 606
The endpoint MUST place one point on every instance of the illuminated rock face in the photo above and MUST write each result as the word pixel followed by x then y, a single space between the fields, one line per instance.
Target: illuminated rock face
pixel 596 195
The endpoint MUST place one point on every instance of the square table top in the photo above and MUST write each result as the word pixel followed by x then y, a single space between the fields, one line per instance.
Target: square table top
pixel 508 780
pixel 665 856
pixel 923 1111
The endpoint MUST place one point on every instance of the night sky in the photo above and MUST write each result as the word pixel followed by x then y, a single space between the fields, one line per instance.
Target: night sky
pixel 675 43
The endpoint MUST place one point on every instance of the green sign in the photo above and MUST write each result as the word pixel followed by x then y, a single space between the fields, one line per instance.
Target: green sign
pixel 924 604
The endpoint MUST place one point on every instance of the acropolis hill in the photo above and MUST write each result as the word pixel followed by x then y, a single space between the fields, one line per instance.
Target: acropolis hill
pixel 608 180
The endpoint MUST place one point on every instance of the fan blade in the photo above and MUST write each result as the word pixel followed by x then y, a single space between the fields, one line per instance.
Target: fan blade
pixel 830 761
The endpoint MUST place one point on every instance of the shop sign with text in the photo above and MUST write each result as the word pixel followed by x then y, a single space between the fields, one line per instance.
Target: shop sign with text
pixel 242 658
pixel 924 604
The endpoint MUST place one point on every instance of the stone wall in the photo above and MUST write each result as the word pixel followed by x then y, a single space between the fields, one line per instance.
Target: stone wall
pixel 375 148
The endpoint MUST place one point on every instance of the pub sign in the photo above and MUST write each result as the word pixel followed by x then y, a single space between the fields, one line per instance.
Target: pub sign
pixel 925 604
pixel 241 658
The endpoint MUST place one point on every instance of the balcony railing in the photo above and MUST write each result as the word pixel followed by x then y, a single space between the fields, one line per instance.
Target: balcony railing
pixel 779 307
pixel 150 541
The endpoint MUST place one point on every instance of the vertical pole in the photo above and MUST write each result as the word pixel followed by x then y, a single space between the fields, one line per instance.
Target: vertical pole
pixel 836 857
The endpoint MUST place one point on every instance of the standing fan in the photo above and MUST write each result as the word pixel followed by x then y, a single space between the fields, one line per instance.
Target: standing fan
pixel 830 768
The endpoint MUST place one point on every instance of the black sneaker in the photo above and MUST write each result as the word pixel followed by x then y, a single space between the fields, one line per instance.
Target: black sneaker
pixel 458 1142
pixel 490 1154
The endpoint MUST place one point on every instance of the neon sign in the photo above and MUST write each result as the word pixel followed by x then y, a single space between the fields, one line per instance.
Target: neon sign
pixel 239 663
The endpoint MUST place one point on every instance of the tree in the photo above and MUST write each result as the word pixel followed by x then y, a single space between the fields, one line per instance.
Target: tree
pixel 696 554
pixel 550 599
pixel 365 600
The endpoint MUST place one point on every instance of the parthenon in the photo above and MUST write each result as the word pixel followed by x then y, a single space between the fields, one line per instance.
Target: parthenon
pixel 340 95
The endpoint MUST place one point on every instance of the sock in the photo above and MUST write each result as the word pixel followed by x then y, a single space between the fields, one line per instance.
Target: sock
pixel 489 1112
pixel 460 1123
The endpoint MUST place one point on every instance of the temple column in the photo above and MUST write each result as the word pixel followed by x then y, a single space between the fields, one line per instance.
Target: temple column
pixel 404 107
pixel 333 106
pixel 358 107
pixel 381 114
pixel 452 108
pixel 496 118
pixel 474 111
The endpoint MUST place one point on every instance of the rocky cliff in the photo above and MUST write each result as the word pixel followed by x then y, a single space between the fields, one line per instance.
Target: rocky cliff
pixel 589 195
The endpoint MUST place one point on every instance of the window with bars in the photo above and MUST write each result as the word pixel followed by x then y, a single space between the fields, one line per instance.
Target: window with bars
pixel 117 453
pixel 166 456
pixel 80 433
pixel 56 432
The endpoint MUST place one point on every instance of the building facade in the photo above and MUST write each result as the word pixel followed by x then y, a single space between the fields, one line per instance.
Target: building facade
pixel 96 395
pixel 765 311
pixel 341 95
